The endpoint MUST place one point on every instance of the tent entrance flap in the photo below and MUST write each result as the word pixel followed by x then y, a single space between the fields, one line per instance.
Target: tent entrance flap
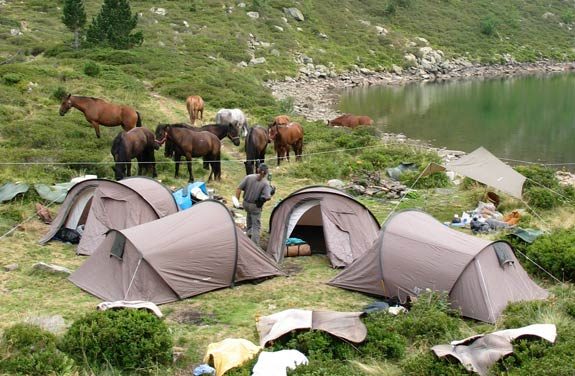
pixel 306 223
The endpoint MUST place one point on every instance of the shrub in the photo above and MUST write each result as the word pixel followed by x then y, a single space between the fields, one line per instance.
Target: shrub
pixel 11 78
pixel 487 26
pixel 324 367
pixel 113 26
pixel 555 253
pixel 541 198
pixel 520 314
pixel 59 93
pixel 431 319
pixel 384 340
pixel 316 345
pixel 30 350
pixel 125 339
pixel 427 364
pixel 91 69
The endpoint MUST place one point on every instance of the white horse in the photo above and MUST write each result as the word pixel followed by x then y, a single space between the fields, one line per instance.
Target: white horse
pixel 234 117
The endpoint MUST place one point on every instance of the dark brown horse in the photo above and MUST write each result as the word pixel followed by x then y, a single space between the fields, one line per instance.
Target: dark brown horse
pixel 99 112
pixel 255 147
pixel 350 121
pixel 285 136
pixel 195 106
pixel 220 130
pixel 193 144
pixel 136 143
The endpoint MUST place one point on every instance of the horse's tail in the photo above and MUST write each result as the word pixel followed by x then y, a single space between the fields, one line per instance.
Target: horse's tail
pixel 139 121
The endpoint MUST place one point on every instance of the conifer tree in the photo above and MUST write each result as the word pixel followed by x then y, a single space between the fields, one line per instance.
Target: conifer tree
pixel 74 18
pixel 113 26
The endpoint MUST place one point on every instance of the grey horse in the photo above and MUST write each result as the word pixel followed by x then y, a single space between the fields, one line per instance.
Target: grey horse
pixel 234 117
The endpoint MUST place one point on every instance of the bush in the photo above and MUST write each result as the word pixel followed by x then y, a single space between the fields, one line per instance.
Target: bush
pixel 59 93
pixel 431 319
pixel 555 253
pixel 316 345
pixel 384 340
pixel 541 198
pixel 11 78
pixel 427 364
pixel 487 26
pixel 29 350
pixel 91 69
pixel 125 339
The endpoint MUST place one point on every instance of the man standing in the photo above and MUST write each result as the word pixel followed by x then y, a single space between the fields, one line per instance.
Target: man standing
pixel 257 190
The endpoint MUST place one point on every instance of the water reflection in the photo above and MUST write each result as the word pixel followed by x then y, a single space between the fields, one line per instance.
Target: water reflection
pixel 527 118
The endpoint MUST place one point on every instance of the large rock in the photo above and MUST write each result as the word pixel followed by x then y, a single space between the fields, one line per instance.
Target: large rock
pixel 410 60
pixel 54 324
pixel 159 11
pixel 295 13
pixel 253 15
pixel 51 268
pixel 257 60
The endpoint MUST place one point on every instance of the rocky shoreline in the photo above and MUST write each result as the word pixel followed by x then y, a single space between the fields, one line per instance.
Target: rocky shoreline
pixel 316 90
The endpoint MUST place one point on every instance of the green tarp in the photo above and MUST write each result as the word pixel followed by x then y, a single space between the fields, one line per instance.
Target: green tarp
pixel 9 190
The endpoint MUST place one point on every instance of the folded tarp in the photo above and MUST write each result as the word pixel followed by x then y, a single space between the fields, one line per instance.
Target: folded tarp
pixel 133 304
pixel 9 190
pixel 277 363
pixel 478 353
pixel 55 193
pixel 230 353
pixel 346 325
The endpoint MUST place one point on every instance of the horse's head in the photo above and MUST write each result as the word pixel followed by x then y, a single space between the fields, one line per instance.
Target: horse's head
pixel 272 132
pixel 233 134
pixel 66 104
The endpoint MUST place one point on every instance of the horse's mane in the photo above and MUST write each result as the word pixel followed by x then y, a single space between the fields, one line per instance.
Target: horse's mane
pixel 118 147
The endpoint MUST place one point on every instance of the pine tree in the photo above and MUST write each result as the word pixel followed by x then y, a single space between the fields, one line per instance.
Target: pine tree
pixel 113 26
pixel 74 18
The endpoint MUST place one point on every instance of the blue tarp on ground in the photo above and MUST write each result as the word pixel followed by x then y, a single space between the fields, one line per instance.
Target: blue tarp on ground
pixel 182 196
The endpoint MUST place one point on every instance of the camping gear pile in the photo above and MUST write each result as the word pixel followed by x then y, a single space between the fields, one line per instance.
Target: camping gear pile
pixel 371 183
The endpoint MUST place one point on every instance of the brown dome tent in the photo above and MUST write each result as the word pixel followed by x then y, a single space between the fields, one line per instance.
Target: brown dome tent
pixel 415 252
pixel 114 205
pixel 75 208
pixel 182 255
pixel 328 219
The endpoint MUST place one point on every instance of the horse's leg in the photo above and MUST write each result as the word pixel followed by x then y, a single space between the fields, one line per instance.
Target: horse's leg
pixel 129 168
pixel 96 128
pixel 299 150
pixel 190 174
pixel 140 165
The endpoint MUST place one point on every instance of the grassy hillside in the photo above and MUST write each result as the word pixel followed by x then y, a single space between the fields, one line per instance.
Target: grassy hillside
pixel 195 49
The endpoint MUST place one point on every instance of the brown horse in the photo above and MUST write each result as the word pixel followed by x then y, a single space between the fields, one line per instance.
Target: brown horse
pixel 195 106
pixel 220 130
pixel 255 147
pixel 136 143
pixel 285 136
pixel 281 120
pixel 99 112
pixel 350 121
pixel 193 144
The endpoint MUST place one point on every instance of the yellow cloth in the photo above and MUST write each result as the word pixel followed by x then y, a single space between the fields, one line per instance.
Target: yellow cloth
pixel 230 353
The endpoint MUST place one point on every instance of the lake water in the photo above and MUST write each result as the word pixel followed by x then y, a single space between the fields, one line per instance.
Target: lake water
pixel 521 118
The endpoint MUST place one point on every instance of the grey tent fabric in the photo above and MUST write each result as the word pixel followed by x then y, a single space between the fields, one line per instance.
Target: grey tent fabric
pixel 75 208
pixel 176 257
pixel 484 167
pixel 123 204
pixel 347 226
pixel 480 352
pixel 10 190
pixel 415 252
pixel 346 325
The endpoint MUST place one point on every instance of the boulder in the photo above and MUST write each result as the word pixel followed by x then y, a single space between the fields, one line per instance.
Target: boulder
pixel 295 13
pixel 51 268
pixel 242 64
pixel 253 15
pixel 159 11
pixel 278 28
pixel 336 183
pixel 410 60
pixel 397 69
pixel 421 41
pixel 548 15
pixel 381 30
pixel 11 267
pixel 241 5
pixel 54 324
pixel 257 60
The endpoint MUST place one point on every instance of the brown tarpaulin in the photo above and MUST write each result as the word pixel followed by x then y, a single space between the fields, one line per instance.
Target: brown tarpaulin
pixel 175 257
